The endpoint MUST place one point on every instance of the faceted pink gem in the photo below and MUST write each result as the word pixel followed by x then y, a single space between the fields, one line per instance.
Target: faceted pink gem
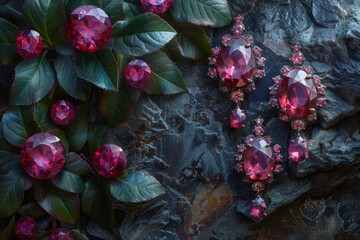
pixel 212 73
pixel 274 102
pixel 29 44
pixel 62 112
pixel 237 118
pixel 241 148
pixel 277 80
pixel 60 234
pixel 237 96
pixel 26 228
pixel 88 28
pixel 261 62
pixel 277 148
pixel 298 125
pixel 317 80
pixel 109 160
pixel 237 29
pixel 212 60
pixel 257 51
pixel 321 102
pixel 138 73
pixel 298 149
pixel 260 73
pixel 278 169
pixel 259 159
pixel 43 155
pixel 215 51
pixel 236 62
pixel 258 208
pixel 156 6
pixel 297 58
pixel 297 95
pixel 259 130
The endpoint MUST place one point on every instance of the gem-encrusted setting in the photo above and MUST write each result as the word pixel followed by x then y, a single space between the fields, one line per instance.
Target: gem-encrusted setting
pixel 259 160
pixel 236 64
pixel 297 94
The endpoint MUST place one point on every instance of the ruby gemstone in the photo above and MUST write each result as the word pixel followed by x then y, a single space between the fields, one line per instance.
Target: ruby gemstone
pixel 62 112
pixel 298 149
pixel 156 6
pixel 60 234
pixel 237 118
pixel 109 160
pixel 297 94
pixel 236 62
pixel 258 208
pixel 259 159
pixel 43 155
pixel 88 28
pixel 138 73
pixel 29 44
pixel 26 228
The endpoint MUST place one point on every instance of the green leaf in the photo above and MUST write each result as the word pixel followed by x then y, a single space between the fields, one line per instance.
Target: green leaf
pixel 77 130
pixel 97 203
pixel 166 77
pixel 62 205
pixel 18 125
pixel 46 17
pixel 8 53
pixel 8 232
pixel 99 68
pixel 136 187
pixel 76 164
pixel 68 79
pixel 42 115
pixel 69 182
pixel 31 209
pixel 131 10
pixel 11 194
pixel 96 131
pixel 34 78
pixel 111 7
pixel 77 235
pixel 143 34
pixel 213 13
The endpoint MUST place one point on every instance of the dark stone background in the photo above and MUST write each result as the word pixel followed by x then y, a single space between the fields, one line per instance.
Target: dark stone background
pixel 186 142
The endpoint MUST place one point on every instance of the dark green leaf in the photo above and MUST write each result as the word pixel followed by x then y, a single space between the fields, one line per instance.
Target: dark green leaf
pixel 72 4
pixel 34 78
pixel 8 53
pixel 166 77
pixel 76 164
pixel 77 131
pixel 68 79
pixel 46 17
pixel 77 235
pixel 99 68
pixel 69 182
pixel 111 7
pixel 214 13
pixel 62 205
pixel 141 35
pixel 96 131
pixel 97 203
pixel 11 194
pixel 132 9
pixel 42 115
pixel 42 235
pixel 136 187
pixel 7 233
pixel 18 125
pixel 31 209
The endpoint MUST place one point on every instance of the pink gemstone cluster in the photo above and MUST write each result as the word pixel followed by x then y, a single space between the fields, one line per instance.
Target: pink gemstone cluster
pixel 29 44
pixel 138 73
pixel 236 63
pixel 259 161
pixel 62 112
pixel 109 160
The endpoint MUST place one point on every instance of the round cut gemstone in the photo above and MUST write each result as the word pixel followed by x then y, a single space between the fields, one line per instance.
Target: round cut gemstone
pixel 26 228
pixel 297 94
pixel 237 118
pixel 258 159
pixel 109 160
pixel 88 28
pixel 236 62
pixel 62 112
pixel 60 234
pixel 138 73
pixel 298 149
pixel 258 208
pixel 156 6
pixel 29 44
pixel 43 155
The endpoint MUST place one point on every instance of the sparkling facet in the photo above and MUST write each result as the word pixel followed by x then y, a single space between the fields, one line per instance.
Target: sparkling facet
pixel 236 62
pixel 237 118
pixel 88 28
pixel 109 160
pixel 62 112
pixel 138 73
pixel 60 234
pixel 258 159
pixel 26 228
pixel 258 208
pixel 298 149
pixel 297 95
pixel 156 6
pixel 43 155
pixel 29 44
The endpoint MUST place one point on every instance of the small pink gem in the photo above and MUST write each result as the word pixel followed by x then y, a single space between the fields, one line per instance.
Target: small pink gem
pixel 297 58
pixel 259 121
pixel 109 160
pixel 311 117
pixel 284 117
pixel 257 51
pixel 60 234
pixel 215 51
pixel 298 125
pixel 278 169
pixel 277 148
pixel 212 60
pixel 248 141
pixel 278 158
pixel 261 62
pixel 321 102
pixel 298 150
pixel 212 73
pixel 26 228
pixel 258 186
pixel 238 19
pixel 237 96
pixel 296 48
pixel 156 6
pixel 309 70
pixel 258 208
pixel 268 139
pixel 237 29
pixel 285 70
pixel 277 80
pixel 321 90
pixel 241 148
pixel 250 87
pixel 317 80
pixel 259 131
pixel 250 39
pixel 29 44
pixel 238 157
pixel 62 112
pixel 273 90
pixel 138 73
pixel 260 73
pixel 43 155
pixel 225 39
pixel 239 167
pixel 274 103
pixel 237 118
